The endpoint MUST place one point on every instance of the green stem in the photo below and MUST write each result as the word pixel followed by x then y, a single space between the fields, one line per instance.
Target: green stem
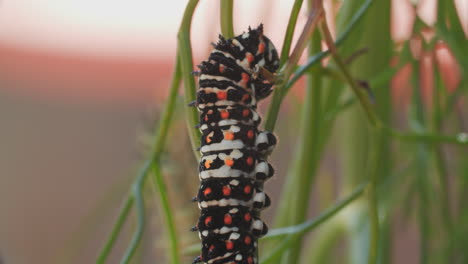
pixel 309 225
pixel 293 233
pixel 357 90
pixel 290 31
pixel 186 60
pixel 310 139
pixel 124 212
pixel 311 61
pixel 167 114
pixel 440 164
pixel 161 188
pixel 372 197
pixel 140 212
pixel 459 139
pixel 282 89
pixel 135 195
pixel 227 28
pixel 290 65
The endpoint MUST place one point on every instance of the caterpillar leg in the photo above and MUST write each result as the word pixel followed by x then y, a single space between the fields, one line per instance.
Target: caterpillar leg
pixel 263 171
pixel 259 228
pixel 265 142
pixel 261 200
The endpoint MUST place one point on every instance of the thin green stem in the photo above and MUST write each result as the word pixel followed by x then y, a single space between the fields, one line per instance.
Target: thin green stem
pixel 291 63
pixel 282 89
pixel 311 61
pixel 275 254
pixel 372 197
pixel 293 233
pixel 459 139
pixel 135 194
pixel 124 212
pixel 440 164
pixel 185 56
pixel 161 188
pixel 167 114
pixel 308 163
pixel 227 28
pixel 357 90
pixel 290 31
pixel 307 226
pixel 140 212
pixel 315 16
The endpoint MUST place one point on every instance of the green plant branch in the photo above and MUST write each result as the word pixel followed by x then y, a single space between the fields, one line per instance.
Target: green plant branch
pixel 368 107
pixel 459 139
pixel 275 254
pixel 440 164
pixel 124 212
pixel 161 188
pixel 282 89
pixel 311 61
pixel 314 17
pixel 135 194
pixel 357 90
pixel 186 61
pixel 140 212
pixel 294 232
pixel 227 28
pixel 303 228
pixel 372 196
pixel 158 180
pixel 305 170
pixel 290 31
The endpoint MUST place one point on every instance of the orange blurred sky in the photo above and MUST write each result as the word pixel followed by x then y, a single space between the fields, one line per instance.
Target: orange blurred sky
pixel 139 28
pixel 102 43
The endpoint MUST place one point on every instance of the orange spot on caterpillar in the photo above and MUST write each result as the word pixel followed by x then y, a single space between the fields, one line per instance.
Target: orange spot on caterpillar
pixel 206 117
pixel 250 260
pixel 245 77
pixel 261 47
pixel 225 115
pixel 208 139
pixel 250 161
pixel 245 97
pixel 226 190
pixel 221 68
pixel 227 219
pixel 247 217
pixel 250 134
pixel 208 163
pixel 247 189
pixel 245 112
pixel 208 220
pixel 247 240
pixel 250 57
pixel 229 162
pixel 221 95
pixel 207 191
pixel 212 247
pixel 229 136
pixel 229 245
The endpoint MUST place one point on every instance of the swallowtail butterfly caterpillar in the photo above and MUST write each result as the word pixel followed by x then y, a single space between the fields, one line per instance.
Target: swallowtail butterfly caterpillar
pixel 233 164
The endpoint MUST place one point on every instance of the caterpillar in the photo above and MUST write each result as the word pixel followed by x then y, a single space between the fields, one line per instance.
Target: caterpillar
pixel 233 150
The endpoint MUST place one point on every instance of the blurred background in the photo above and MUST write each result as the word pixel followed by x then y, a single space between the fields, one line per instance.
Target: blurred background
pixel 81 85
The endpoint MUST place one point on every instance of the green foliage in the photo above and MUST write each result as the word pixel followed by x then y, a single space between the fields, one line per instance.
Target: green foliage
pixel 370 149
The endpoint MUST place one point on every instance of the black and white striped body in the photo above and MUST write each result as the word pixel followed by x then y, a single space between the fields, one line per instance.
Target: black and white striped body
pixel 233 167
